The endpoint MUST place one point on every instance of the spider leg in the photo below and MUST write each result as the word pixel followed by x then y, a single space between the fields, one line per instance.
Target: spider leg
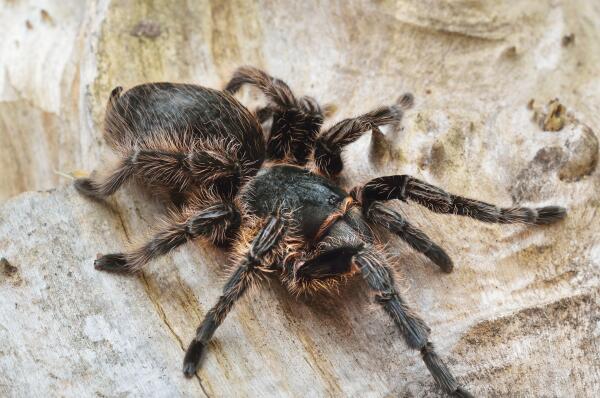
pixel 263 114
pixel 210 163
pixel 293 131
pixel 405 187
pixel 99 189
pixel 394 222
pixel 379 278
pixel 166 168
pixel 296 121
pixel 278 93
pixel 218 222
pixel 329 144
pixel 233 290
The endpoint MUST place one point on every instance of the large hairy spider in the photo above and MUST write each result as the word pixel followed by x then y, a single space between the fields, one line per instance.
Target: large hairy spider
pixel 206 154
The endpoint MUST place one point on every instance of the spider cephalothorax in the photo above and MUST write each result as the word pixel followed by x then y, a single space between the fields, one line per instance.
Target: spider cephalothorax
pixel 206 154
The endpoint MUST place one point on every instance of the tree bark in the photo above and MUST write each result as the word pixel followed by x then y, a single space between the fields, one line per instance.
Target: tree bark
pixel 518 316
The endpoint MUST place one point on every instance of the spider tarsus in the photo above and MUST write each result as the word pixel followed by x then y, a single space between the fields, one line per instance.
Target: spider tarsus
pixel 85 186
pixel 550 214
pixel 192 358
pixel 439 370
pixel 440 258
pixel 189 369
pixel 98 190
pixel 114 262
pixel 406 101
pixel 116 92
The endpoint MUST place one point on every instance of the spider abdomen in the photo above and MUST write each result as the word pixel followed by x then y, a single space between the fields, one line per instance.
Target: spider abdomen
pixel 181 113
pixel 184 136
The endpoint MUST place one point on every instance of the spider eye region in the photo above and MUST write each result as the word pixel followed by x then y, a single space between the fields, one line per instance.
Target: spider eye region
pixel 334 200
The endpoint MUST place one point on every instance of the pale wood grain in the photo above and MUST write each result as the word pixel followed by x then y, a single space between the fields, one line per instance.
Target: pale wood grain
pixel 518 316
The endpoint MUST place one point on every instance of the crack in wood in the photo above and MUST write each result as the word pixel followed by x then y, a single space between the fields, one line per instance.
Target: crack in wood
pixel 154 297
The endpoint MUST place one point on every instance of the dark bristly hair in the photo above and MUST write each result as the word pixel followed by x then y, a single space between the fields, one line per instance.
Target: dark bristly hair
pixel 206 155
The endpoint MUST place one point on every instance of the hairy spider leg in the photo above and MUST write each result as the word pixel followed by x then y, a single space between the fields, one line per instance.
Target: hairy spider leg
pixel 346 253
pixel 405 187
pixel 392 221
pixel 236 286
pixel 218 223
pixel 329 143
pixel 379 278
pixel 296 121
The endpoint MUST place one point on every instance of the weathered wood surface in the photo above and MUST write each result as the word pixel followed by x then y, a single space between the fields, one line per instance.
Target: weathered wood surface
pixel 519 316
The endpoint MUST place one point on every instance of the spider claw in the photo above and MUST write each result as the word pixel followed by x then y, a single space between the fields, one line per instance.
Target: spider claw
pixel 115 262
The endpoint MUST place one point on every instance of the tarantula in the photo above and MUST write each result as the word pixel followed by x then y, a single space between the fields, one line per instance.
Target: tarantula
pixel 206 154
